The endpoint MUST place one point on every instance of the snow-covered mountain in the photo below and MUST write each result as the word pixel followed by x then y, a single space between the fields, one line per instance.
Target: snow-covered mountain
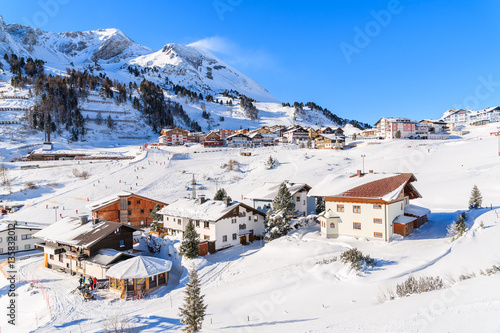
pixel 199 70
pixel 189 66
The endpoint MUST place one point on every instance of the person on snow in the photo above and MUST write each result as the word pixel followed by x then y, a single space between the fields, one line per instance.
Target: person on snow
pixel 81 280
pixel 95 283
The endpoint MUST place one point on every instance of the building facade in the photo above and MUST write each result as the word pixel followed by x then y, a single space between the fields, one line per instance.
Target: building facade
pixel 173 137
pixel 21 237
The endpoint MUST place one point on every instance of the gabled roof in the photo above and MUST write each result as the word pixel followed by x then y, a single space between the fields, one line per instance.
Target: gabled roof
pixel 106 201
pixel 210 210
pixel 4 226
pixel 332 136
pixel 236 135
pixel 139 267
pixel 106 257
pixel 386 187
pixel 71 231
pixel 268 191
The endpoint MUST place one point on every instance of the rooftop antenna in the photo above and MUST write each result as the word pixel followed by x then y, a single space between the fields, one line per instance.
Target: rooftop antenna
pixel 193 184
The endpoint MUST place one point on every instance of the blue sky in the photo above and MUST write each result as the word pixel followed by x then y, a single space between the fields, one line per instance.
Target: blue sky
pixel 360 59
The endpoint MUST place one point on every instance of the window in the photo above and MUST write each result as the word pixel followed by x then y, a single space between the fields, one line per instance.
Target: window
pixel 356 209
pixel 25 237
pixel 377 234
pixel 51 256
pixel 249 218
pixel 129 212
pixel 298 199
pixel 129 202
pixel 206 237
pixel 242 226
pixel 377 221
pixel 167 218
pixel 332 225
pixel 224 238
pixel 206 225
pixel 235 236
pixel 340 208
pixel 233 220
pixel 255 218
pixel 0 239
pixel 60 257
pixel 150 210
pixel 142 222
pixel 197 223
pixel 377 206
pixel 122 243
pixel 79 264
pixel 11 238
pixel 179 221
pixel 138 202
pixel 142 211
pixel 401 206
pixel 117 231
pixel 406 200
pixel 357 225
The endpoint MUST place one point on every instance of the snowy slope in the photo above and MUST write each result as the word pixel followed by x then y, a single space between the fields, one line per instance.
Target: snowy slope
pixel 285 285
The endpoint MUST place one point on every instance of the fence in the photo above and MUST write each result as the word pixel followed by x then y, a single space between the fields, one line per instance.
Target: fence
pixel 15 109
pixel 9 122
pixel 106 111
pixel 101 102
pixel 13 97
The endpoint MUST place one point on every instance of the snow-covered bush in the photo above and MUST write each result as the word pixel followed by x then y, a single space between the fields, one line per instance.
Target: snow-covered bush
pixel 457 228
pixel 423 284
pixel 271 163
pixel 356 259
pixel 154 246
pixel 467 276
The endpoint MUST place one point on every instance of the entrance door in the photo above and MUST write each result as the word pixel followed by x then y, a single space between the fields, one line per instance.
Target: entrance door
pixel 243 240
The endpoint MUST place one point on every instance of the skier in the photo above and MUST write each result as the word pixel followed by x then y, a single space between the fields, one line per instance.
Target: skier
pixel 95 283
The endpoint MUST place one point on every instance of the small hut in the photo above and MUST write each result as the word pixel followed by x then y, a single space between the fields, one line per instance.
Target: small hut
pixel 133 277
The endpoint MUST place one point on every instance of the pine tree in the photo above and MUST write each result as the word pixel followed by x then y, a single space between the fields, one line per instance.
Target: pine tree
pixel 221 195
pixel 476 198
pixel 193 311
pixel 189 246
pixel 320 205
pixel 155 217
pixel 279 217
pixel 398 135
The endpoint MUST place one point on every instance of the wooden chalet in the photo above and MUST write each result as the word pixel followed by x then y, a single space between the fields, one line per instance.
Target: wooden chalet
pixel 296 134
pixel 125 207
pixel 212 139
pixel 329 141
pixel 70 243
pixel 239 140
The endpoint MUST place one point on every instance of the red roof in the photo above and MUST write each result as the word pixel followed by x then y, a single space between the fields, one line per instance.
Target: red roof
pixel 380 188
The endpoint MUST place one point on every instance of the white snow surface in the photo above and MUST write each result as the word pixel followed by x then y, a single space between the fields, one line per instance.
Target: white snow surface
pixel 269 190
pixel 210 210
pixel 291 284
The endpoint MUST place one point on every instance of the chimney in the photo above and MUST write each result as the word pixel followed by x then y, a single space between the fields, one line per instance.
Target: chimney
pixel 358 173
pixel 371 171
pixel 95 220
pixel 226 201
pixel 83 219
pixel 201 199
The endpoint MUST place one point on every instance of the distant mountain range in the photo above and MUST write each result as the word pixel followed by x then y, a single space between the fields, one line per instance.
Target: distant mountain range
pixel 192 67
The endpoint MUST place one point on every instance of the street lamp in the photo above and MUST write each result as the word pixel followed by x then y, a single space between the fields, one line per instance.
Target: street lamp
pixel 363 157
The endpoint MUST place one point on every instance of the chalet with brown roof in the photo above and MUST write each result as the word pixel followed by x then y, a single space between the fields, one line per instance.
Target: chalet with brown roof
pixel 125 207
pixel 78 246
pixel 372 206
pixel 212 139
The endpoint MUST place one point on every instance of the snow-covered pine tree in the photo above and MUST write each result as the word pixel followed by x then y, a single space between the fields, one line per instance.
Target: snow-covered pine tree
pixel 154 218
pixel 320 205
pixel 278 218
pixel 221 194
pixel 192 312
pixel 476 199
pixel 189 246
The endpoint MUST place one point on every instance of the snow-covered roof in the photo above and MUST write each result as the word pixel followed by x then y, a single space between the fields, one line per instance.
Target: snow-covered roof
pixel 71 231
pixel 402 219
pixel 107 200
pixel 112 198
pixel 328 214
pixel 268 191
pixel 5 226
pixel 384 186
pixel 417 210
pixel 139 267
pixel 106 257
pixel 209 210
